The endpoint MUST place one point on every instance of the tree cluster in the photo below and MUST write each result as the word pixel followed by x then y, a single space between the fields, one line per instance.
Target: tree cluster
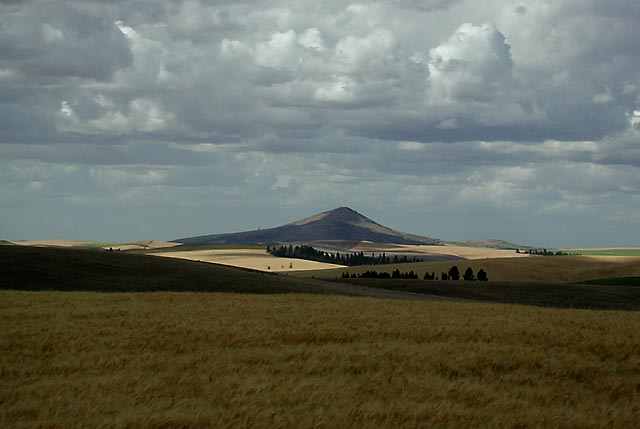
pixel 395 274
pixel 546 252
pixel 349 259
pixel 452 274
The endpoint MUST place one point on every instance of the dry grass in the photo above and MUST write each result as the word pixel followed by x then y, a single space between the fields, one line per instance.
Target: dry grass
pixel 223 360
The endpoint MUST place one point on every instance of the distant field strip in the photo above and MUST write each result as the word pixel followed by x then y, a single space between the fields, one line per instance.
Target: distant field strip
pixel 257 259
pixel 143 244
pixel 465 252
pixel 223 360
pixel 606 252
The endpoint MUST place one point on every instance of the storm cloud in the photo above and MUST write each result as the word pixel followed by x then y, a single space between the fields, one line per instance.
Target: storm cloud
pixel 514 120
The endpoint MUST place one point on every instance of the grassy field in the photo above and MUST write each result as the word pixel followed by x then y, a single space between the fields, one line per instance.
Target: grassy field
pixel 605 252
pixel 41 269
pixel 541 269
pixel 618 281
pixel 160 360
pixel 62 269
pixel 607 294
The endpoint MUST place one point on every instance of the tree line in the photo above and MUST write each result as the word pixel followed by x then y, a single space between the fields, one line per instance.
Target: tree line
pixel 349 259
pixel 452 274
pixel 546 252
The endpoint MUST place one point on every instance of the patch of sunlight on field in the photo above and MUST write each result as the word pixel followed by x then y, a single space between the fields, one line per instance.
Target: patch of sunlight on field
pixel 257 259
pixel 224 360
pixel 465 252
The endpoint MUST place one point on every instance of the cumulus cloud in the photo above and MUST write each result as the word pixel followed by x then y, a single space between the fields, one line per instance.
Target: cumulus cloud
pixel 435 106
pixel 474 64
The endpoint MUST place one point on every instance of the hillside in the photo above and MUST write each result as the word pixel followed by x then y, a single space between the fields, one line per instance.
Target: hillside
pixel 616 295
pixel 63 269
pixel 339 224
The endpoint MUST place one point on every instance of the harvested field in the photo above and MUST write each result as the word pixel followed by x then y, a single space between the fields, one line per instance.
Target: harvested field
pixel 151 245
pixel 256 259
pixel 225 360
pixel 463 252
pixel 137 245
pixel 53 243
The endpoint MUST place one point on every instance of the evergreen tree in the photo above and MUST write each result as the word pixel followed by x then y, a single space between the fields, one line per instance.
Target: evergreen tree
pixel 454 273
pixel 468 275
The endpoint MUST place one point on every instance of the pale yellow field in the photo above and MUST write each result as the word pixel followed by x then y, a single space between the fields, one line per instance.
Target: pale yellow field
pixel 465 252
pixel 79 243
pixel 53 243
pixel 165 360
pixel 461 251
pixel 257 259
pixel 150 245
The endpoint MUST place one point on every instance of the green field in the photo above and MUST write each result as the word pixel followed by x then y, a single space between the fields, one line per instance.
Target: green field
pixel 159 360
pixel 604 252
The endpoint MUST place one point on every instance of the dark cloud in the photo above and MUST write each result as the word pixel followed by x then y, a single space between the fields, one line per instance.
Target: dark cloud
pixel 429 106
pixel 426 5
pixel 55 41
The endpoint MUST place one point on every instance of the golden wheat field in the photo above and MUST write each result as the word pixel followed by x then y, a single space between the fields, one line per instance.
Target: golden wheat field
pixel 225 360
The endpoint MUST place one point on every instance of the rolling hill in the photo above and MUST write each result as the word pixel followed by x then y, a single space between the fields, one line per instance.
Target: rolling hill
pixel 342 223
pixel 67 269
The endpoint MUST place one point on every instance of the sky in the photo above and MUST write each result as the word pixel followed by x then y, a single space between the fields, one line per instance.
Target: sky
pixel 454 119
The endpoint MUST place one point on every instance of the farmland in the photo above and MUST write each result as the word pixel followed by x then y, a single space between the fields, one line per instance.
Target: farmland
pixel 257 259
pixel 606 252
pixel 178 343
pixel 552 269
pixel 227 360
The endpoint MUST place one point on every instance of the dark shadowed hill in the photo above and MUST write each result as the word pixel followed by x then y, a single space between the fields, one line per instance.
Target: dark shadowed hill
pixel 64 269
pixel 340 224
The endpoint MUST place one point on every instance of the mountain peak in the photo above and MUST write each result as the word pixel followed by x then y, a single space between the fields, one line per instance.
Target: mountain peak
pixel 342 223
pixel 344 214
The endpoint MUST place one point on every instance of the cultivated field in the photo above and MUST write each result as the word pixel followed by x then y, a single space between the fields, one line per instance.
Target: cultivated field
pixel 62 269
pixel 464 252
pixel 79 359
pixel 257 259
pixel 135 245
pixel 543 269
pixel 606 252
